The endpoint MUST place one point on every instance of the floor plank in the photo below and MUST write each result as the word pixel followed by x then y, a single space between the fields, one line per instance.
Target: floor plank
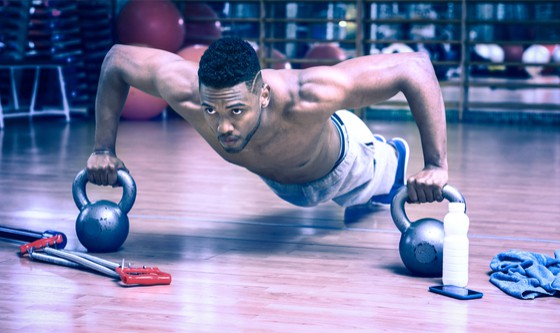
pixel 242 260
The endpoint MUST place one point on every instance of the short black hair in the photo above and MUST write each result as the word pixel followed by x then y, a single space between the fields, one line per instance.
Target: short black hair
pixel 227 62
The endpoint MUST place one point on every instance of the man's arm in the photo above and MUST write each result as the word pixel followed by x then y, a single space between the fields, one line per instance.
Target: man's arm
pixel 363 81
pixel 423 93
pixel 156 72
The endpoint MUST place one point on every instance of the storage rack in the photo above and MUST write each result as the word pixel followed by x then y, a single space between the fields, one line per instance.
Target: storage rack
pixel 473 88
pixel 58 42
pixel 494 96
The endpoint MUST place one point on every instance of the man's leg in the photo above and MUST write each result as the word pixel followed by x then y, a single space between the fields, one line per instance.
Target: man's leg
pixel 400 146
pixel 390 158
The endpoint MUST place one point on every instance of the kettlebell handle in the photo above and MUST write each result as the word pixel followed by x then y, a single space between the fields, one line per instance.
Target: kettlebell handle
pixel 397 205
pixel 123 178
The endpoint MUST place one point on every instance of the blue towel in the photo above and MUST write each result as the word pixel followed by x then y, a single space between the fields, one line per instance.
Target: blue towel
pixel 526 275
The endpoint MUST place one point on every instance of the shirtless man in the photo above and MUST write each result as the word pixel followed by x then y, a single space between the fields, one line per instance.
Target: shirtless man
pixel 287 126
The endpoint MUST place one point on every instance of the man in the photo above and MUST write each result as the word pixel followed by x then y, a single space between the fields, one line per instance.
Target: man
pixel 287 126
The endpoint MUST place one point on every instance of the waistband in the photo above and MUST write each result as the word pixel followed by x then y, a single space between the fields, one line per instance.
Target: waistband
pixel 339 124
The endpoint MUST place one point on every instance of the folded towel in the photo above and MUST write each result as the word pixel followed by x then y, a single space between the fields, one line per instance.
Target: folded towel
pixel 526 275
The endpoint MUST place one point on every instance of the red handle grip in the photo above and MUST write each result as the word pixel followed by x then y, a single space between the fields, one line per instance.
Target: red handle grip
pixel 41 243
pixel 147 276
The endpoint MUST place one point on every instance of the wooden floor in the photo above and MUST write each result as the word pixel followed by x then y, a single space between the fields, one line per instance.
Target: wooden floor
pixel 242 260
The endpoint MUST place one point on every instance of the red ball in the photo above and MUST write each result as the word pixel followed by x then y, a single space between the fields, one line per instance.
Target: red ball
pixel 550 48
pixel 158 24
pixel 192 52
pixel 142 106
pixel 513 53
pixel 201 24
pixel 332 53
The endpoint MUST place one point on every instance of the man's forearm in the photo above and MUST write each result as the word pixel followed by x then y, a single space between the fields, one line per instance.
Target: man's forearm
pixel 433 133
pixel 111 96
pixel 424 96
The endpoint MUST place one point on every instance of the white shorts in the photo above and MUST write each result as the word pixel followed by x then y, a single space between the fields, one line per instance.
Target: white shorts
pixel 367 168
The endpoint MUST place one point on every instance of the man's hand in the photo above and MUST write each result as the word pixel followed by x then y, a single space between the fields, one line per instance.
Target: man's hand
pixel 102 168
pixel 427 185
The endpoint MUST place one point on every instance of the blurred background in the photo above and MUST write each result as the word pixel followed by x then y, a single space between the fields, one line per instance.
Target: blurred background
pixel 497 61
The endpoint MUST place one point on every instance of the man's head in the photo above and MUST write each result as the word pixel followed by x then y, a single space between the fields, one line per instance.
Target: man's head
pixel 232 92
pixel 228 62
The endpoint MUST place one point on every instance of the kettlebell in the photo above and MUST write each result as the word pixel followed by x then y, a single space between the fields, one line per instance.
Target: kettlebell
pixel 103 226
pixel 421 244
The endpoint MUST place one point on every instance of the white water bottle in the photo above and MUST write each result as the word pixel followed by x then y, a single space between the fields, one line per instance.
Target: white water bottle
pixel 456 246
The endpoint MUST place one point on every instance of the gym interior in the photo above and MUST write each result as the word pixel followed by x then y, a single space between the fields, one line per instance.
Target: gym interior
pixel 218 249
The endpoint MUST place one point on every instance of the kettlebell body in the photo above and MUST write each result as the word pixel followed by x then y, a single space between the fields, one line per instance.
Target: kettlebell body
pixel 421 243
pixel 421 247
pixel 103 226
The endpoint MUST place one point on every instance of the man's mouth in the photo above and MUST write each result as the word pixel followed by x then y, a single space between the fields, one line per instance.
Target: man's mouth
pixel 228 140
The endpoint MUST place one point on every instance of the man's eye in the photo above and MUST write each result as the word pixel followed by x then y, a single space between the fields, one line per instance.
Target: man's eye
pixel 209 110
pixel 237 111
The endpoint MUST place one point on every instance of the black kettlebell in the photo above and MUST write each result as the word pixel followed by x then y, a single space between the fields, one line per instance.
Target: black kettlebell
pixel 103 226
pixel 421 244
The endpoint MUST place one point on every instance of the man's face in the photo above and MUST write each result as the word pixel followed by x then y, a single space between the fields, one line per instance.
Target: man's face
pixel 232 113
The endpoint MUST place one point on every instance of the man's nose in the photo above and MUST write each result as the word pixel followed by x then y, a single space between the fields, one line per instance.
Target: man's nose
pixel 225 126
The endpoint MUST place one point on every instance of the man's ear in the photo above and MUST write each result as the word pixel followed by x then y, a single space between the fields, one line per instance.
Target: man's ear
pixel 265 95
